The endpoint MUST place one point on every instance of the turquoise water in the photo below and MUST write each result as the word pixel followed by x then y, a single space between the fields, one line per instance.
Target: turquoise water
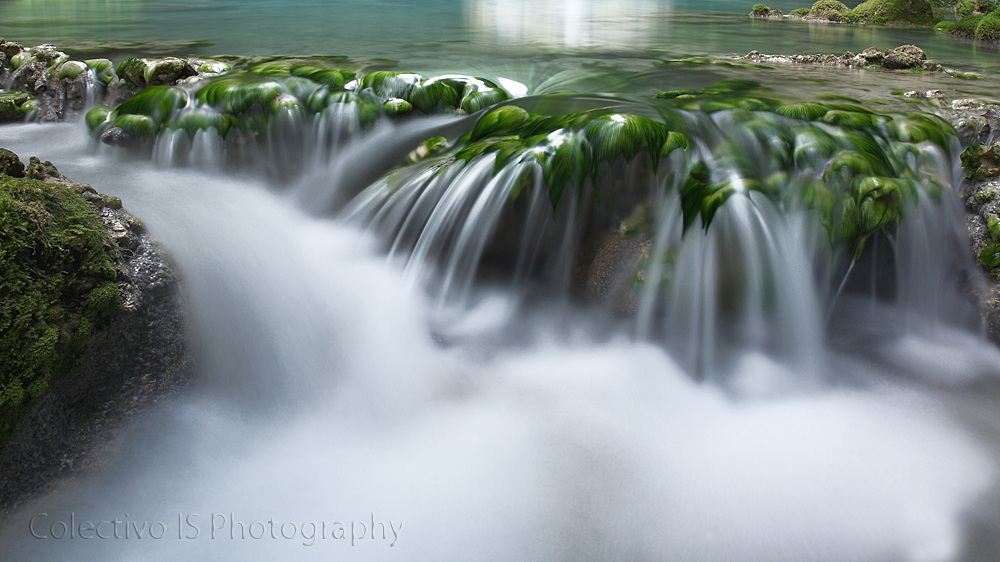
pixel 477 29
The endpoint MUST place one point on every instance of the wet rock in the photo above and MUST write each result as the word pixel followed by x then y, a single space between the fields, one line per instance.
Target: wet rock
pixel 10 164
pixel 58 86
pixel 116 136
pixel 133 72
pixel 905 56
pixel 140 356
pixel 982 162
pixel 9 48
pixel 44 171
pixel 966 104
pixel 12 106
pixel 616 270
pixel 873 55
pixel 167 71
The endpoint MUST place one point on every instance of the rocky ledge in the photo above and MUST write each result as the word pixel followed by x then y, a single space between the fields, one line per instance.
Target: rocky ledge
pixel 98 368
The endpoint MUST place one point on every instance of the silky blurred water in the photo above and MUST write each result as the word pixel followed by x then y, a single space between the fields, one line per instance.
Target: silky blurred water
pixel 328 390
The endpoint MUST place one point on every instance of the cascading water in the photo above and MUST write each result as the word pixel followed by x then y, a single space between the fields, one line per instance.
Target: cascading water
pixel 414 355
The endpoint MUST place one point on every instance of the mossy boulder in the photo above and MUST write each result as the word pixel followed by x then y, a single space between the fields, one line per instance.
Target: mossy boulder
pixel 236 94
pixel 10 164
pixel 167 71
pixel 133 72
pixel 897 12
pixel 71 69
pixel 828 10
pixel 14 106
pixel 966 27
pixel 467 93
pixel 799 12
pixel 760 11
pixel 396 106
pixel 981 162
pixel 58 286
pixel 989 28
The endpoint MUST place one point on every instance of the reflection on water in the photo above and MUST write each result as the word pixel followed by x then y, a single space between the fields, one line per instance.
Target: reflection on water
pixel 567 23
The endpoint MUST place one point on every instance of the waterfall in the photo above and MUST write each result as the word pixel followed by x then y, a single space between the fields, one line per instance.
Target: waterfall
pixel 408 340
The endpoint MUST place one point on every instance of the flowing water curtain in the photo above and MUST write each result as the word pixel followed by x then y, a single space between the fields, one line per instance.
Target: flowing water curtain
pixel 746 203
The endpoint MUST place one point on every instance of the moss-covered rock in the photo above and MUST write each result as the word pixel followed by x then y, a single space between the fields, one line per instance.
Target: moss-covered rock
pixel 396 106
pixel 897 12
pixel 799 12
pixel 832 10
pixel 133 72
pixel 467 93
pixel 13 106
pixel 71 69
pixel 10 164
pixel 58 285
pixel 167 71
pixel 966 27
pixel 988 28
pixel 981 162
pixel 850 16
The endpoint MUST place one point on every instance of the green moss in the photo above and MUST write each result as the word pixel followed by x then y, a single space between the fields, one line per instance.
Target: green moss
pixel 156 102
pixel 13 106
pixel 139 126
pixel 989 27
pixel 132 71
pixel 760 11
pixel 103 68
pixel 98 118
pixel 981 163
pixel 966 27
pixel 850 16
pixel 828 10
pixel 24 57
pixel 57 287
pixel 236 94
pixel 213 67
pixel 799 12
pixel 803 110
pixel 71 69
pixel 897 12
pixel 454 91
pixel 202 119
